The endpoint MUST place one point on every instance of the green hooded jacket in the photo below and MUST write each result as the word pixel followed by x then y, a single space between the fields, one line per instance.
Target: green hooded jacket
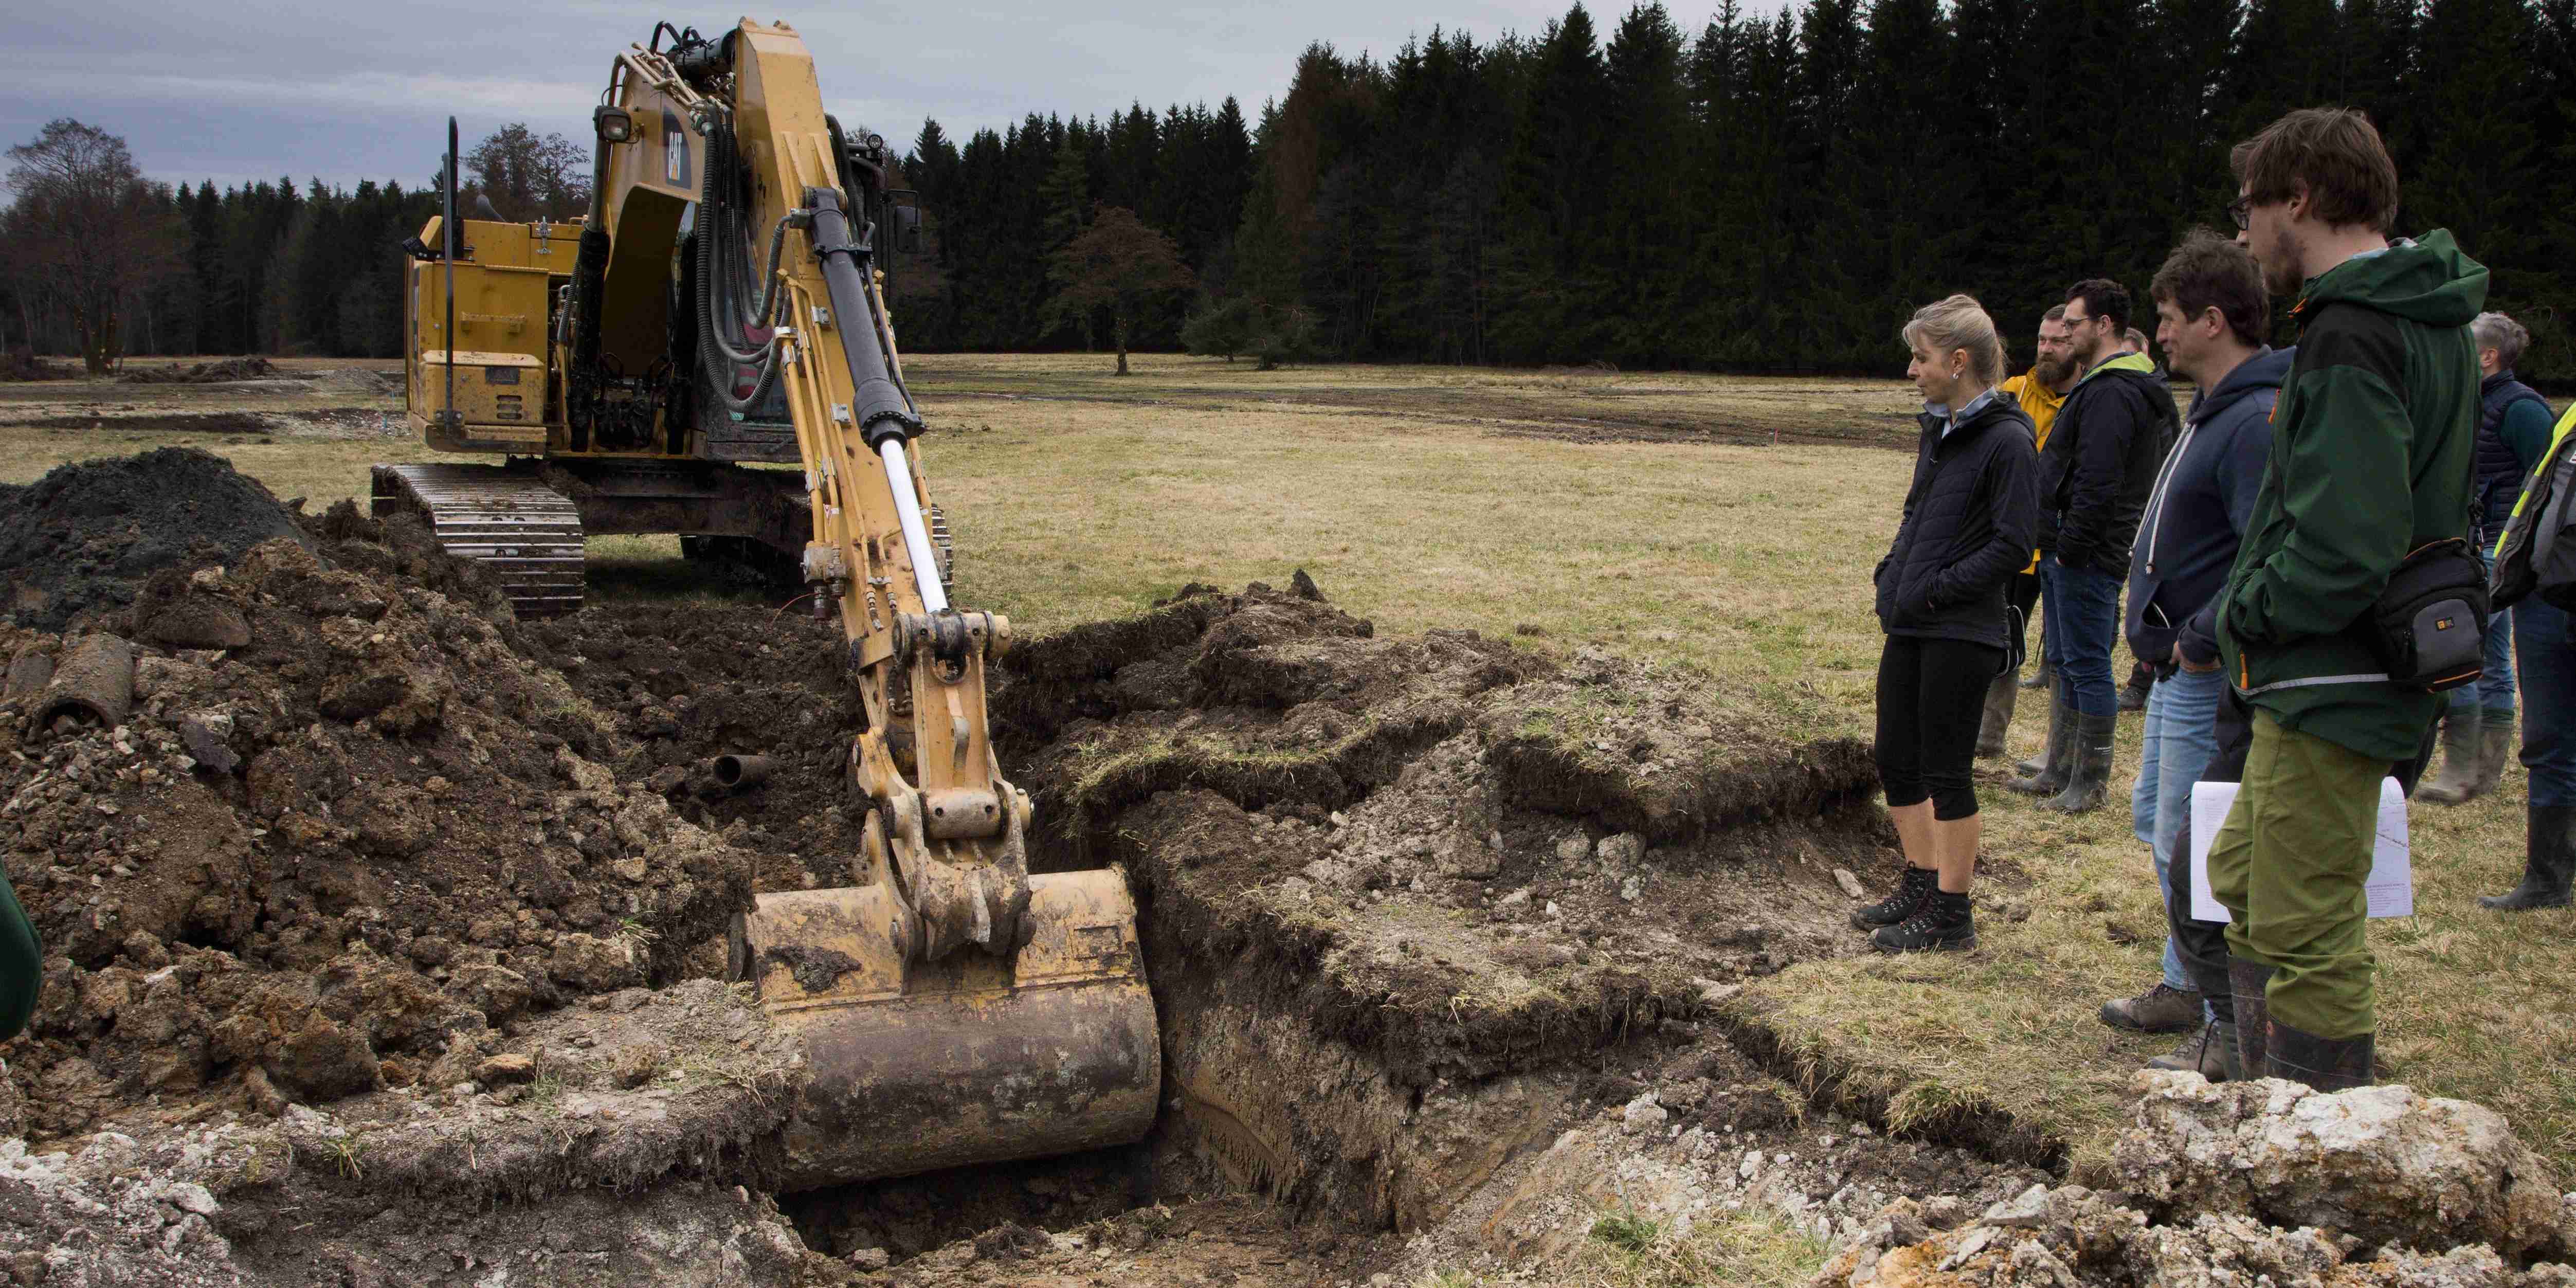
pixel 22 961
pixel 2374 440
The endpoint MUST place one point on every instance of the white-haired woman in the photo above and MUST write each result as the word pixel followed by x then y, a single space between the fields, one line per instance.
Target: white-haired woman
pixel 1971 517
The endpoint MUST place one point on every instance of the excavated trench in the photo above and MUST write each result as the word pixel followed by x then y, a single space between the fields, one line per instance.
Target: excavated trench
pixel 395 926
pixel 1410 907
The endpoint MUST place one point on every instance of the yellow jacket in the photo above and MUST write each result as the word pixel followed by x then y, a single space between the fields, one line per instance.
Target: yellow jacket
pixel 2042 403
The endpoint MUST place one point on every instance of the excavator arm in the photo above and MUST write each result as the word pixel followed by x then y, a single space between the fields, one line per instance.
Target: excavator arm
pixel 955 1008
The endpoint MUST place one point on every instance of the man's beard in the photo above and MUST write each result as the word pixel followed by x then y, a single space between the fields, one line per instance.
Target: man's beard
pixel 2281 268
pixel 2052 371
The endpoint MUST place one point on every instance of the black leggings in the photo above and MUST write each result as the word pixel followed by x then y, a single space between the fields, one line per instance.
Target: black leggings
pixel 1931 695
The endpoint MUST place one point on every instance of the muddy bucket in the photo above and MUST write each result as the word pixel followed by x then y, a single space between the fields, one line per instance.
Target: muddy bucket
pixel 916 1066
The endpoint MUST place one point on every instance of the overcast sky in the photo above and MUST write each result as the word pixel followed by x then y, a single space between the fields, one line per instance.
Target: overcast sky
pixel 230 91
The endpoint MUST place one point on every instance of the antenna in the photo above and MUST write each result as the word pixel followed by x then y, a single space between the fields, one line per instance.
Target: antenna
pixel 450 416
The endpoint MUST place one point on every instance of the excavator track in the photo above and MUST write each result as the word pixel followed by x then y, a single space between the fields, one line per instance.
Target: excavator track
pixel 527 535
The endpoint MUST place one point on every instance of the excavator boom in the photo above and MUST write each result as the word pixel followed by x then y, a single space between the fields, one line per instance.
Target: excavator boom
pixel 723 302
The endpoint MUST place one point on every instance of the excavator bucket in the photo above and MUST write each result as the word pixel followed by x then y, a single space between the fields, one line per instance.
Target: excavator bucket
pixel 914 1066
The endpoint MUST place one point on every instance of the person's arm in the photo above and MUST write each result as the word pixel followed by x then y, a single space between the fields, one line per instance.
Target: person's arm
pixel 2525 431
pixel 2013 490
pixel 2344 490
pixel 2111 419
pixel 2240 479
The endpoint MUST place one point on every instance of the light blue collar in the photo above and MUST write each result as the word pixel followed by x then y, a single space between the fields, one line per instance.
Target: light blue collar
pixel 1951 419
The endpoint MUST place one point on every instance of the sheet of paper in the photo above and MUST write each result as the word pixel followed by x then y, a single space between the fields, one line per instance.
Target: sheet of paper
pixel 2390 889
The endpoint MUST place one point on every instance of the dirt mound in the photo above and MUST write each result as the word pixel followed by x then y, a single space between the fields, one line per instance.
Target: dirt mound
pixel 19 364
pixel 195 422
pixel 86 536
pixel 220 371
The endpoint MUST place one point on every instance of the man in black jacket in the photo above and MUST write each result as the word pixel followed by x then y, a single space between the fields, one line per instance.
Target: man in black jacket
pixel 2094 478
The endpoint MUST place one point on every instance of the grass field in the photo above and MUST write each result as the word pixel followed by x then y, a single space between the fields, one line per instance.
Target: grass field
pixel 1647 513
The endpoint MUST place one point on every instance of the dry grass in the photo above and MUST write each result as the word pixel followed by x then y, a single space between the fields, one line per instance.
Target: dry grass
pixel 1428 497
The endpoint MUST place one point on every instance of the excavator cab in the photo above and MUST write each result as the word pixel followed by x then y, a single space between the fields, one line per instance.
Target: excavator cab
pixel 954 1009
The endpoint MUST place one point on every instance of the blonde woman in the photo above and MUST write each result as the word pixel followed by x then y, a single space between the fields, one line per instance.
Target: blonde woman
pixel 1971 517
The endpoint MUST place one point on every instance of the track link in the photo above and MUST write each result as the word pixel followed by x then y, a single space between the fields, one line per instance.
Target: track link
pixel 527 535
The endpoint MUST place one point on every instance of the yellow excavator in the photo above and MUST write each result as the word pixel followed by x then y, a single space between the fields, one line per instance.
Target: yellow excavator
pixel 721 304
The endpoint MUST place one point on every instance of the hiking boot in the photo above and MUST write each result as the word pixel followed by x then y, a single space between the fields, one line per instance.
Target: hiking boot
pixel 2133 695
pixel 1911 890
pixel 2457 784
pixel 2210 1051
pixel 2047 775
pixel 1942 924
pixel 2039 676
pixel 2548 862
pixel 1998 717
pixel 2248 980
pixel 2090 780
pixel 2162 1009
pixel 2327 1064
pixel 2495 747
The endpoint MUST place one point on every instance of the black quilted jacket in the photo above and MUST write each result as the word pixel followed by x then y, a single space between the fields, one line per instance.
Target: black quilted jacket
pixel 1970 519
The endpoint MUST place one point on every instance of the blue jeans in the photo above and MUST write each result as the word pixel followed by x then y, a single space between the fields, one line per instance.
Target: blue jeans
pixel 2181 737
pixel 2081 610
pixel 2548 700
pixel 2494 689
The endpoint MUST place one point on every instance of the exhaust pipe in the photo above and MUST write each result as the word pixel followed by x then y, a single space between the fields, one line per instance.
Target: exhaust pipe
pixel 734 773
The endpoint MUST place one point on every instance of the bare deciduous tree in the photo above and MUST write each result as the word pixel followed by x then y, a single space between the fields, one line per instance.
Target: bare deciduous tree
pixel 528 176
pixel 1118 263
pixel 89 231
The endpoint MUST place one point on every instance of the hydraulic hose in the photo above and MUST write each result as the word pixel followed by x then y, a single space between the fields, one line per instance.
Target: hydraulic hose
pixel 721 268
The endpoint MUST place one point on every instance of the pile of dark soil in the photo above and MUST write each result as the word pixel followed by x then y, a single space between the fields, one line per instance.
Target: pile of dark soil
pixel 194 422
pixel 220 371
pixel 83 538
pixel 19 364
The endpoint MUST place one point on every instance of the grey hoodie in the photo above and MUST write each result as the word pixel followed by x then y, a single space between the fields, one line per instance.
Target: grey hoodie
pixel 2197 512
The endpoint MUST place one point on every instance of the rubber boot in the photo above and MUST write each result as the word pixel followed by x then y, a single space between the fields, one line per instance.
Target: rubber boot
pixel 2090 782
pixel 2327 1064
pixel 1998 717
pixel 2048 775
pixel 2039 677
pixel 2248 980
pixel 2458 782
pixel 2495 746
pixel 2548 861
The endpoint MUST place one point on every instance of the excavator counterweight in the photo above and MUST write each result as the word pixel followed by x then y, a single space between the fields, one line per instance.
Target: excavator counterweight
pixel 721 307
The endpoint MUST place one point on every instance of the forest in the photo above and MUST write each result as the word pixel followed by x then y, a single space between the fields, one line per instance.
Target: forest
pixel 1767 193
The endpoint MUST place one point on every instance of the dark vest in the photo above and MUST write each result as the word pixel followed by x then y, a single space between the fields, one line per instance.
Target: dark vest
pixel 2500 475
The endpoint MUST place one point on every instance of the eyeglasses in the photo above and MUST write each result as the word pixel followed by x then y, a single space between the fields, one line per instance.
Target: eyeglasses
pixel 2242 211
pixel 2073 321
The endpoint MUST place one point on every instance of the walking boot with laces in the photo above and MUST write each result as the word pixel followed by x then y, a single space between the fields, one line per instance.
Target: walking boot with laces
pixel 2495 747
pixel 2327 1064
pixel 2249 981
pixel 2089 782
pixel 2133 695
pixel 2047 776
pixel 1998 716
pixel 2161 1009
pixel 1911 890
pixel 2548 861
pixel 1942 924
pixel 2210 1051
pixel 2457 783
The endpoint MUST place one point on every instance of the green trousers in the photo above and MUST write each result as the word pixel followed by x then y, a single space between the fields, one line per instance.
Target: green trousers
pixel 2289 865
pixel 21 963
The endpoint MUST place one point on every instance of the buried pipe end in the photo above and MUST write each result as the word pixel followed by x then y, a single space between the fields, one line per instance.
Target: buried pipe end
pixel 734 773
